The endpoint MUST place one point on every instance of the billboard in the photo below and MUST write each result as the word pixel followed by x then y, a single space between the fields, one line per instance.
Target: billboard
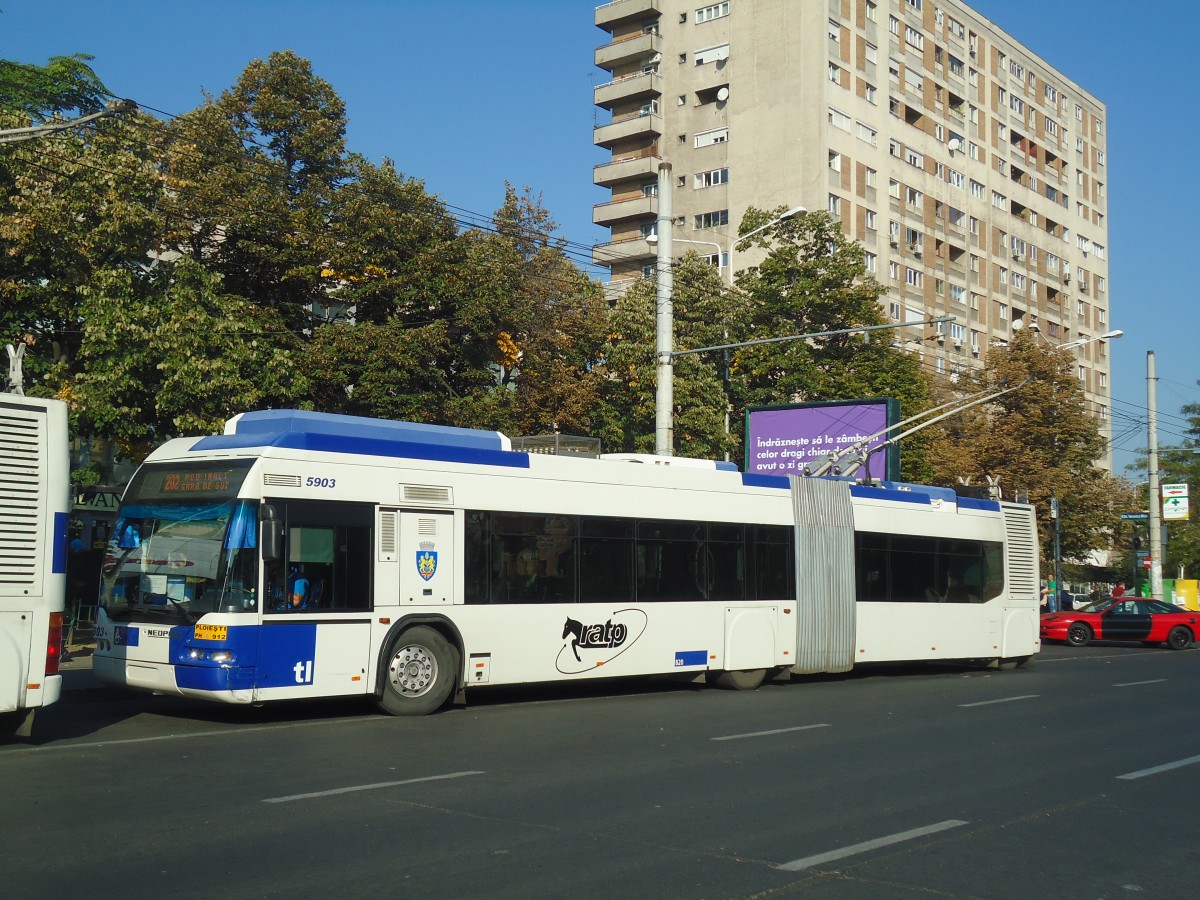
pixel 782 440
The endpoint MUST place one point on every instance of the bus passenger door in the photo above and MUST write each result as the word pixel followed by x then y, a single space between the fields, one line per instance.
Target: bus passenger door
pixel 424 556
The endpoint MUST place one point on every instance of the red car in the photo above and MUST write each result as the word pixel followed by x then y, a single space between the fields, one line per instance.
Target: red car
pixel 1123 619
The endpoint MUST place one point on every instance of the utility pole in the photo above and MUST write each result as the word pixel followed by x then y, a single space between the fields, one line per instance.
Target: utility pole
pixel 1155 504
pixel 664 396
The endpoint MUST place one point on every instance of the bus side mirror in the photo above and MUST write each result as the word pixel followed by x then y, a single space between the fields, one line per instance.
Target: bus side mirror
pixel 272 535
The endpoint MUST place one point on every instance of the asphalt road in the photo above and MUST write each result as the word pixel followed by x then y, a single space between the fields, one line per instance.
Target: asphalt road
pixel 1074 778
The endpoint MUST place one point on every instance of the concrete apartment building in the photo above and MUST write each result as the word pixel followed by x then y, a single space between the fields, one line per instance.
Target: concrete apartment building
pixel 972 172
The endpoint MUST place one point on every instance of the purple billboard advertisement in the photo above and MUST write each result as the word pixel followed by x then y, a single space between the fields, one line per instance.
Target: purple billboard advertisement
pixel 782 440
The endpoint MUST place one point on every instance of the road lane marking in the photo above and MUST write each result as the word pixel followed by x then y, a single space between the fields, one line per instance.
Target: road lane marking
pixel 367 787
pixel 808 862
pixel 233 730
pixel 1001 700
pixel 1165 767
pixel 754 734
pixel 1136 683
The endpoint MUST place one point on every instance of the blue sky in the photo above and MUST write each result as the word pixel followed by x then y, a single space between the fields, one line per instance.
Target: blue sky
pixel 466 94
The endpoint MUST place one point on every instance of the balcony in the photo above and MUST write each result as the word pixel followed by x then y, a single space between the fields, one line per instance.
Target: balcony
pixel 629 126
pixel 630 48
pixel 624 253
pixel 640 166
pixel 607 214
pixel 637 86
pixel 621 11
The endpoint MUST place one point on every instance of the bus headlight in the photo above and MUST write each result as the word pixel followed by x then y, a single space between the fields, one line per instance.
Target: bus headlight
pixel 216 656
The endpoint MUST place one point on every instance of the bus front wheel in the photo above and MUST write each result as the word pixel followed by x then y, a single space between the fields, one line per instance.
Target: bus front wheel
pixel 418 673
pixel 741 680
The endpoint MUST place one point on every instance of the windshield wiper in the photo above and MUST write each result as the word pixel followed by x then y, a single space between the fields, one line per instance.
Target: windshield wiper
pixel 187 614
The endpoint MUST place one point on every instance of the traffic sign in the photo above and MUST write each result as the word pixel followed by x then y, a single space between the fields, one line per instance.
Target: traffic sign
pixel 1174 502
pixel 1147 563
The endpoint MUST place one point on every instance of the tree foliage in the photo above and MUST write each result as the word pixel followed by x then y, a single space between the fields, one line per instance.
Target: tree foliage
pixel 814 280
pixel 1183 537
pixel 1039 438
pixel 65 84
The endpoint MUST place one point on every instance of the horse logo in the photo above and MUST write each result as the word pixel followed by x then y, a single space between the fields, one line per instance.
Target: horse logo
pixel 606 640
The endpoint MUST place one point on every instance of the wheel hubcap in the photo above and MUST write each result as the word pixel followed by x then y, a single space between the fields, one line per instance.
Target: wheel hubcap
pixel 413 670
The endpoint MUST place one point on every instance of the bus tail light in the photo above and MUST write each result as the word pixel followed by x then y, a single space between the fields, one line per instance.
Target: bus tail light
pixel 54 639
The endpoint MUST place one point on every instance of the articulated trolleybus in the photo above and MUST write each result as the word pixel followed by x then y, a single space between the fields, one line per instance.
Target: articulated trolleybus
pixel 35 497
pixel 303 554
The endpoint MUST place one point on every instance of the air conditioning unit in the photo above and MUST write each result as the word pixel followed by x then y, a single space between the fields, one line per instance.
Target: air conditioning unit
pixel 914 249
pixel 1016 254
pixel 1066 277
pixel 958 343
pixel 1083 288
pixel 975 349
pixel 894 242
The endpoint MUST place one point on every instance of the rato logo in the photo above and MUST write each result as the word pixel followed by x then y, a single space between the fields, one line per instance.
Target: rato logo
pixel 587 647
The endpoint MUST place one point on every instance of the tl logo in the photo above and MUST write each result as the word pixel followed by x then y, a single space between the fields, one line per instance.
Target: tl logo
pixel 303 671
pixel 426 560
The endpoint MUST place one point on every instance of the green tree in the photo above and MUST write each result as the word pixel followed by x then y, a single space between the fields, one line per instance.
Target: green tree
pixel 65 84
pixel 814 280
pixel 1040 438
pixel 173 355
pixel 627 418
pixel 1183 540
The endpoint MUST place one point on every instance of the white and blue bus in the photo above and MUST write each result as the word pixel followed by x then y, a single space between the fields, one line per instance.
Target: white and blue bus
pixel 304 554
pixel 35 498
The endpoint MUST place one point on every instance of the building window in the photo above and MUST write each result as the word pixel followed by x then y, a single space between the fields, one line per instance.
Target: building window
pixel 839 119
pixel 870 262
pixel 893 188
pixel 914 277
pixel 894 148
pixel 914 38
pixel 714 136
pixel 869 219
pixel 867 134
pixel 893 270
pixel 872 11
pixel 711 54
pixel 716 219
pixel 976 188
pixel 835 160
pixel 835 204
pixel 835 74
pixel 708 179
pixel 869 93
pixel 912 196
pixel 835 32
pixel 871 176
pixel 708 13
pixel 872 54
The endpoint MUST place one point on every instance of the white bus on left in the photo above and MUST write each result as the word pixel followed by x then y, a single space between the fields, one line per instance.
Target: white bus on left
pixel 35 507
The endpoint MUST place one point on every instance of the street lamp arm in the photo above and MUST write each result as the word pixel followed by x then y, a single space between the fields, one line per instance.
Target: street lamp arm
pixel 790 214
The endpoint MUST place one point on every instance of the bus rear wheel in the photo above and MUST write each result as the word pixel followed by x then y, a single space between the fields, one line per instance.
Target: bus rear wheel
pixel 418 674
pixel 741 680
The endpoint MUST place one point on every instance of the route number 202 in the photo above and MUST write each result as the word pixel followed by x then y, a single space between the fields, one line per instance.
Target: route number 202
pixel 318 482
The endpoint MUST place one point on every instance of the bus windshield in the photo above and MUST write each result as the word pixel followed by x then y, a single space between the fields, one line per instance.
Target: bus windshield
pixel 183 544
